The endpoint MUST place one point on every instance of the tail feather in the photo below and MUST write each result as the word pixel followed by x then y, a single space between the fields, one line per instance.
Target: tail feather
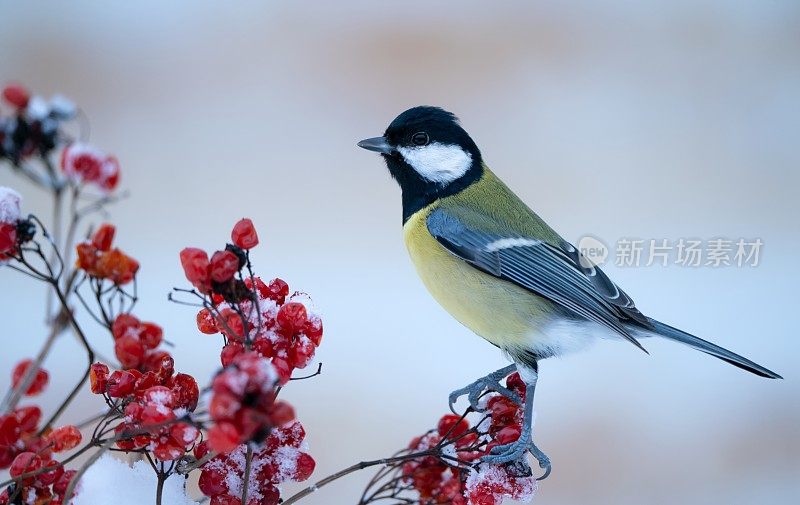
pixel 666 331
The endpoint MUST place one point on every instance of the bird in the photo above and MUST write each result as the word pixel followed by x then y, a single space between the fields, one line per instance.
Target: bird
pixel 501 271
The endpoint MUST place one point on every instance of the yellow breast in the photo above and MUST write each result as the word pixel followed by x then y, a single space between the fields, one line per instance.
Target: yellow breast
pixel 499 311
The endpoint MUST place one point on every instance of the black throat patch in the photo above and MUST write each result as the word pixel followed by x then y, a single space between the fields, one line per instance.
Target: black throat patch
pixel 419 192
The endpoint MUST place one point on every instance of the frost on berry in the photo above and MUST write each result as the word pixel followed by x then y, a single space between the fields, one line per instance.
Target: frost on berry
pixel 243 407
pixel 282 457
pixel 86 164
pixel 64 438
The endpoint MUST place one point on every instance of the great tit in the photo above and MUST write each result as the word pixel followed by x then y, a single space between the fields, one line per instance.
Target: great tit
pixel 500 270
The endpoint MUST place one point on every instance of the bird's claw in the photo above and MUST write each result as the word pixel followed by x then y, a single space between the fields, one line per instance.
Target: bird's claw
pixel 515 451
pixel 474 391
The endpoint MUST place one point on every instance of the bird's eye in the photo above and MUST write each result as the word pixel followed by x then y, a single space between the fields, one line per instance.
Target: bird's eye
pixel 420 139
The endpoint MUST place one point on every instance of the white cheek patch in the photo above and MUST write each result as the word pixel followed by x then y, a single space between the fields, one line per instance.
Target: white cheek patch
pixel 437 162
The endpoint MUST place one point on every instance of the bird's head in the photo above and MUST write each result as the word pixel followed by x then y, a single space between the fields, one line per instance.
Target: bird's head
pixel 429 154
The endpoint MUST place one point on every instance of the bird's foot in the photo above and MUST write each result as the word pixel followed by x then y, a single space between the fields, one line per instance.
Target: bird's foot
pixel 516 451
pixel 490 383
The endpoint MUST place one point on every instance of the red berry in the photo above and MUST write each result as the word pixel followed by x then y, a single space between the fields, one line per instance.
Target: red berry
pixel 231 325
pixel 223 406
pixel 283 369
pixel 98 378
pixel 223 437
pixel 8 238
pixel 278 290
pixel 16 95
pixel 103 237
pixel 121 383
pixel 124 443
pixel 9 430
pixel 60 487
pixel 195 267
pixel 116 266
pixel 292 317
pixel 123 324
pixel 212 482
pixel 229 352
pixel 201 449
pixel 508 434
pixel 263 346
pixel 206 322
pixel 151 334
pixel 304 467
pixel 301 352
pixel 313 330
pixel 65 438
pixel 129 350
pixel 224 265
pixel 452 426
pixel 244 234
pixel 225 499
pixel 281 413
pixel 186 391
pixel 159 395
pixel 49 477
pixel 28 418
pixel 156 414
pixel 184 433
pixel 160 362
pixel 25 462
pixel 168 449
pixel 39 381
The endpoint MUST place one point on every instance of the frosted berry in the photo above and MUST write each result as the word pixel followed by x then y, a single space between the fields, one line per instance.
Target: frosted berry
pixel 292 317
pixel 64 438
pixel 206 322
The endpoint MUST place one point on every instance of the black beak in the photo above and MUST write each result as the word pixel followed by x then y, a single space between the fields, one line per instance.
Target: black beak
pixel 377 144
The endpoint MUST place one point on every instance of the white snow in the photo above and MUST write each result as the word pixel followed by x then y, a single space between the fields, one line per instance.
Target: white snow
pixel 110 480
pixel 9 205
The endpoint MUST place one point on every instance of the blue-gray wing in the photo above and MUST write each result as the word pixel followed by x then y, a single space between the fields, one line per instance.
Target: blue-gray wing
pixel 553 272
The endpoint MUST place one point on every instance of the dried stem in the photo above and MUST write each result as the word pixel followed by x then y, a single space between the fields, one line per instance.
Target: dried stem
pixel 354 468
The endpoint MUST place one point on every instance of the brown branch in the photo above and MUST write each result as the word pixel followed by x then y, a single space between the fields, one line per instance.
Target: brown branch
pixel 354 468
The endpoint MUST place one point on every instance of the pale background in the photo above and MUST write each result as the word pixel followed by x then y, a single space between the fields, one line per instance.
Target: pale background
pixel 647 119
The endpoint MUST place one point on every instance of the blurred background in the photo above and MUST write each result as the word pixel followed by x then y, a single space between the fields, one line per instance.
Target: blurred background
pixel 616 119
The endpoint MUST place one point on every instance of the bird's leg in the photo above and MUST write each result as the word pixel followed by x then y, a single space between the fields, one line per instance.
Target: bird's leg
pixel 489 383
pixel 517 449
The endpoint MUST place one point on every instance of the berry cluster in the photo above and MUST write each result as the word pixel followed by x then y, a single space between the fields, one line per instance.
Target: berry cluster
pixel 243 407
pixel 217 275
pixel 25 448
pixel 249 312
pixel 154 405
pixel 267 333
pixel 281 328
pixel 135 344
pixel 33 128
pixel 97 258
pixel 452 473
pixel 154 400
pixel 281 458
pixel 83 163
